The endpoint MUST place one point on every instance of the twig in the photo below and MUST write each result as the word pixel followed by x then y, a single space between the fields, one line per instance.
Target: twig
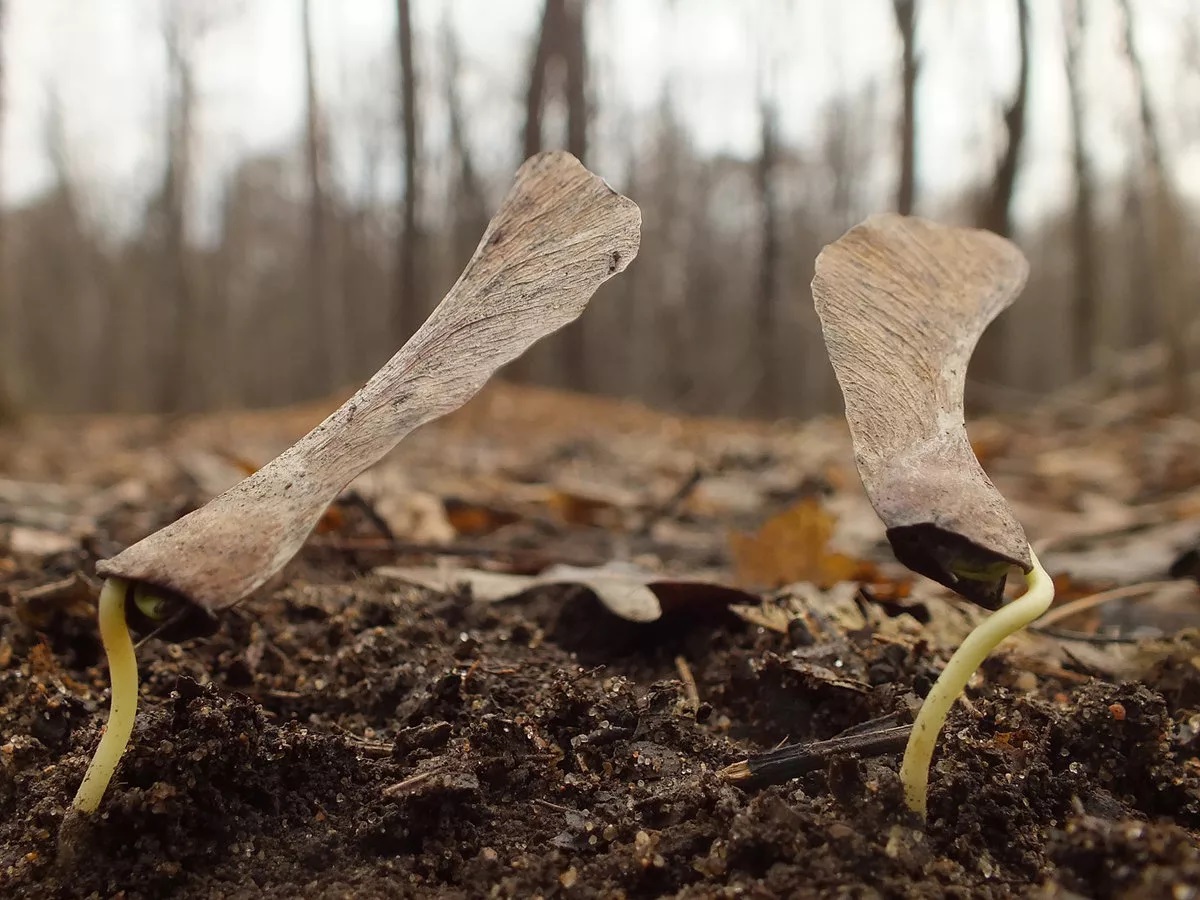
pixel 1082 637
pixel 672 503
pixel 1083 604
pixel 335 542
pixel 778 766
pixel 689 682
pixel 526 560
pixel 354 498
pixel 1051 670
pixel 368 748
pixel 409 783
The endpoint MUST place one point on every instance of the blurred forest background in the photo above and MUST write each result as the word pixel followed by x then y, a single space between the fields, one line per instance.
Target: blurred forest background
pixel 212 203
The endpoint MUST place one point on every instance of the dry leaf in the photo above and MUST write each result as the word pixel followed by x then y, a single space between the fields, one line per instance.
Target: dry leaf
pixel 902 304
pixel 828 614
pixel 471 519
pixel 486 587
pixel 794 546
pixel 1144 553
pixel 559 234
pixel 627 592
pixel 73 595
pixel 409 514
pixel 38 542
pixel 574 507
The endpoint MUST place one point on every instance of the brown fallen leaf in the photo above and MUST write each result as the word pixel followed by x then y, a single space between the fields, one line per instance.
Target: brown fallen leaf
pixel 37 542
pixel 794 546
pixel 828 614
pixel 469 518
pixel 627 592
pixel 588 508
pixel 407 513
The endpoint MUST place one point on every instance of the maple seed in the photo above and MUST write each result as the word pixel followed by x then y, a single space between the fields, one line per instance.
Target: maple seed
pixel 561 226
pixel 565 233
pixel 903 303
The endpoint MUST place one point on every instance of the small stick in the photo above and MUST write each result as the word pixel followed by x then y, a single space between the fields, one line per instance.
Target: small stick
pixel 1083 637
pixel 689 682
pixel 407 784
pixel 672 503
pixel 786 763
pixel 1083 604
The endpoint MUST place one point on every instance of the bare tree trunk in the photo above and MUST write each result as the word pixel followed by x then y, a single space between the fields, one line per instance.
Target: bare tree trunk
pixel 470 207
pixel 409 304
pixel 553 14
pixel 75 335
pixel 906 192
pixel 574 52
pixel 993 362
pixel 767 303
pixel 637 312
pixel 997 214
pixel 324 306
pixel 573 341
pixel 560 39
pixel 1089 336
pixel 225 262
pixel 1165 249
pixel 176 367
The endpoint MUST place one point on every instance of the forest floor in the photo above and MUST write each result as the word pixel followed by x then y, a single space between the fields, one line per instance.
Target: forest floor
pixel 528 655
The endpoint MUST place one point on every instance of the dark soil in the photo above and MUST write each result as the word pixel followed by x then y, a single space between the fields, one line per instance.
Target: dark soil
pixel 358 740
pixel 346 736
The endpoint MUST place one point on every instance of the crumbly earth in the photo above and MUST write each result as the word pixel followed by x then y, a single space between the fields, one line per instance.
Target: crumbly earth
pixel 360 740
pixel 350 736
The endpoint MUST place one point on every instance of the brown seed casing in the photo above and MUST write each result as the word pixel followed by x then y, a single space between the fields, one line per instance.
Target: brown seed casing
pixel 559 234
pixel 902 303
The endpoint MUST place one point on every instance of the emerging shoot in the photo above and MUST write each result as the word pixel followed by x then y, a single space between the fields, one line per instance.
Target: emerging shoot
pixel 122 670
pixel 914 771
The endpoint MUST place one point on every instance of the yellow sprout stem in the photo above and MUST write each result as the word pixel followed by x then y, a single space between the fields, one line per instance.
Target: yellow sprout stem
pixel 914 771
pixel 122 670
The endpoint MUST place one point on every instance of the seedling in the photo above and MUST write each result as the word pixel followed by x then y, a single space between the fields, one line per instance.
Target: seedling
pixel 122 672
pixel 903 303
pixel 914 771
pixel 559 234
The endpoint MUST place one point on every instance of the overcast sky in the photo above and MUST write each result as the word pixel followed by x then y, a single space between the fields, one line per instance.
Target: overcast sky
pixel 106 63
